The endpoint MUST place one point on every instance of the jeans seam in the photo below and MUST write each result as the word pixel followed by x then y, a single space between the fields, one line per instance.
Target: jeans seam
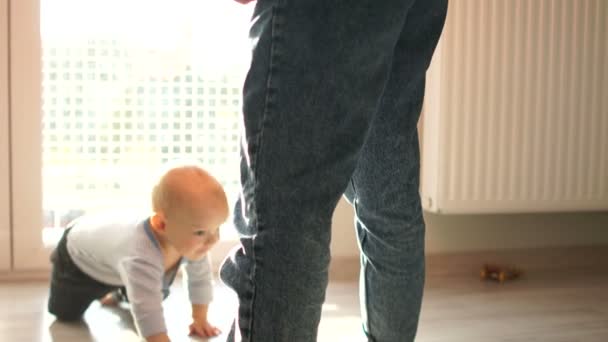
pixel 361 239
pixel 268 105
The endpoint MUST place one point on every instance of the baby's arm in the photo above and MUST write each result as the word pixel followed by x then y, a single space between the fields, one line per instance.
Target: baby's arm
pixel 199 280
pixel 201 325
pixel 143 281
pixel 162 337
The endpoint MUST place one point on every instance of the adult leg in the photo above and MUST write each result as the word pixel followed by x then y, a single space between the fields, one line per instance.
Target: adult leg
pixel 319 69
pixel 385 187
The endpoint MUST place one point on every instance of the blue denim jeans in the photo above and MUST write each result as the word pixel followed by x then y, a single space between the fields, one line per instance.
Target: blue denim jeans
pixel 331 104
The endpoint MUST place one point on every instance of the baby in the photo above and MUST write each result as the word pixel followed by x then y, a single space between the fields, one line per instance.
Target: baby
pixel 99 255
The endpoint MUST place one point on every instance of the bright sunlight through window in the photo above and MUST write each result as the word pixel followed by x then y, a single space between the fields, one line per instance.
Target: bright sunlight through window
pixel 129 85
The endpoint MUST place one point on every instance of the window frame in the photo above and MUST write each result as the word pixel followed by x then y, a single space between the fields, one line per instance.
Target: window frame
pixel 5 220
pixel 28 251
pixel 25 89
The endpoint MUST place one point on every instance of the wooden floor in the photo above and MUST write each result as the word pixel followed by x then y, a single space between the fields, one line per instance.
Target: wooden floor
pixel 548 307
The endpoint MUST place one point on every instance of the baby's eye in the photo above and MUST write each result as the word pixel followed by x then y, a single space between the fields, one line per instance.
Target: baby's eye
pixel 199 233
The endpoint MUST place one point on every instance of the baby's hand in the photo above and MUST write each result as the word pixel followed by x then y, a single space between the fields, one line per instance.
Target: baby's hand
pixel 203 329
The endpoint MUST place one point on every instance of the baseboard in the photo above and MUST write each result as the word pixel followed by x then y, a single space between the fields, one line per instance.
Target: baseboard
pixel 344 269
pixel 21 276
pixel 586 258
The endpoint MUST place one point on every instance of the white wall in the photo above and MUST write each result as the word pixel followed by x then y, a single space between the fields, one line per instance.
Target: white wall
pixel 343 239
pixel 460 233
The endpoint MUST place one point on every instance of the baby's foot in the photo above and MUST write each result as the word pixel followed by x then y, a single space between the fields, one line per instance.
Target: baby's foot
pixel 109 300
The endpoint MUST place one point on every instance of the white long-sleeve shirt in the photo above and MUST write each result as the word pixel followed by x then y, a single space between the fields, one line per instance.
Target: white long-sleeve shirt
pixel 119 250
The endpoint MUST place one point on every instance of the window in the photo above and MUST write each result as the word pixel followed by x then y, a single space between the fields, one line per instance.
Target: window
pixel 111 69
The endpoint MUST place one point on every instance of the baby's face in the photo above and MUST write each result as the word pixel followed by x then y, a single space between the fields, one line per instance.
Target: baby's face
pixel 193 235
pixel 198 208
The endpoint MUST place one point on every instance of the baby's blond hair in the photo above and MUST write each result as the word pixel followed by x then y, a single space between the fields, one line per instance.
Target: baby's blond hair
pixel 183 183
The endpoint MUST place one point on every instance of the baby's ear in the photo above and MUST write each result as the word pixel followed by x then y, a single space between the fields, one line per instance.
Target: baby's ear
pixel 157 221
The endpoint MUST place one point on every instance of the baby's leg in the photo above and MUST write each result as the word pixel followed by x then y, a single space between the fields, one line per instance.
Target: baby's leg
pixel 71 290
pixel 68 302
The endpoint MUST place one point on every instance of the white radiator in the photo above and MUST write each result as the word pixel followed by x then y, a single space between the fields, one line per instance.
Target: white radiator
pixel 516 110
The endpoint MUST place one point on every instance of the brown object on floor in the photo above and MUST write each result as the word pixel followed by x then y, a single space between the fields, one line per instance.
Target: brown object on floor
pixel 500 273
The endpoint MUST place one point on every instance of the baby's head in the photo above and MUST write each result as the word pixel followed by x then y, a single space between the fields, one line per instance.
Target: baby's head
pixel 189 206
